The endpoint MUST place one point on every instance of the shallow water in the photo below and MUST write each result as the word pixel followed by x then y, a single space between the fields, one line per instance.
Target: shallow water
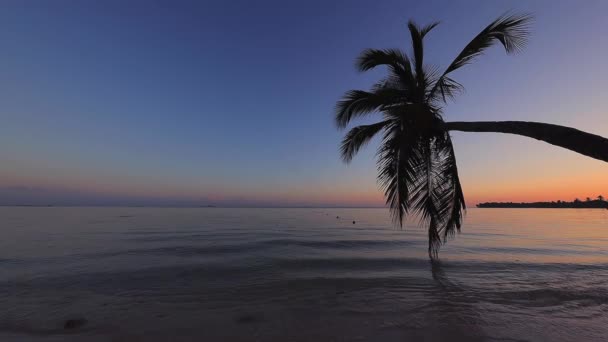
pixel 213 274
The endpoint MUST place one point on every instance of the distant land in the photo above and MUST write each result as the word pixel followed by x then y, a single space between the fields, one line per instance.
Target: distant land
pixel 576 204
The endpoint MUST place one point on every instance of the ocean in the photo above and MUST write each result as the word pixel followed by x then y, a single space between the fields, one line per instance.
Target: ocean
pixel 227 274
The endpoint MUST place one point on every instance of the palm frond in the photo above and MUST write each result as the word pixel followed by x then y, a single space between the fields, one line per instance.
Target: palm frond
pixel 435 193
pixel 372 58
pixel 511 30
pixel 434 239
pixel 397 169
pixel 358 137
pixel 459 206
pixel 390 82
pixel 448 88
pixel 417 46
pixel 452 202
pixel 425 196
pixel 397 61
pixel 357 103
pixel 417 35
pixel 426 29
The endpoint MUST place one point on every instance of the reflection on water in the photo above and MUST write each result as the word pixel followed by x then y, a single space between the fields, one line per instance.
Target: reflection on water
pixel 214 274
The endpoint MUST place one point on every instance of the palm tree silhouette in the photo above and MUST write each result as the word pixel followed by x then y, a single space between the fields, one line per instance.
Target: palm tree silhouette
pixel 416 162
pixel 600 197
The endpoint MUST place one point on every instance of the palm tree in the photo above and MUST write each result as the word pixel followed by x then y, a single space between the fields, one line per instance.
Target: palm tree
pixel 600 197
pixel 416 161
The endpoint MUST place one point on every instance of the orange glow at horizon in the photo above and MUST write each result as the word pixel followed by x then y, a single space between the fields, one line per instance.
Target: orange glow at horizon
pixel 536 188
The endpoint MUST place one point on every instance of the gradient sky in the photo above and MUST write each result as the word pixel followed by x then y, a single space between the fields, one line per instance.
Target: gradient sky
pixel 231 102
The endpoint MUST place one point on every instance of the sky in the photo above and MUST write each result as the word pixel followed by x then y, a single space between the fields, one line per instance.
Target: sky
pixel 231 102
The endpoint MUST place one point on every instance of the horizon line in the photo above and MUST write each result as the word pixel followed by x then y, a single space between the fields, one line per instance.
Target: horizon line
pixel 184 206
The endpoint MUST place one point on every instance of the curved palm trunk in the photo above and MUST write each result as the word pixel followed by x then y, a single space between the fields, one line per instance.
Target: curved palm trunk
pixel 585 143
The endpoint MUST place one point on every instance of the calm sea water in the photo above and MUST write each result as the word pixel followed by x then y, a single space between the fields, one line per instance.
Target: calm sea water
pixel 147 274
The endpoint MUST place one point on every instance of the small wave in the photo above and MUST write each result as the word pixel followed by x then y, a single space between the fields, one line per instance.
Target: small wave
pixel 535 251
pixel 11 261
pixel 349 264
pixel 180 251
pixel 256 245
pixel 341 244
pixel 546 297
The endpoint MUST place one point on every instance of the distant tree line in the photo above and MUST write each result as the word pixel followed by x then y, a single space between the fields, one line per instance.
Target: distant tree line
pixel 599 202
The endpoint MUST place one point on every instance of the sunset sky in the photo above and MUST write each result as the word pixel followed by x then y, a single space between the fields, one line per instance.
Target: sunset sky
pixel 231 102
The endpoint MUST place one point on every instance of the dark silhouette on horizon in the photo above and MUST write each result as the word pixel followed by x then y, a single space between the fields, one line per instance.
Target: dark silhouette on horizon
pixel 588 203
pixel 416 161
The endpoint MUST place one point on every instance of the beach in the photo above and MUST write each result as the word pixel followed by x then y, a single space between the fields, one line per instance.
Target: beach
pixel 228 274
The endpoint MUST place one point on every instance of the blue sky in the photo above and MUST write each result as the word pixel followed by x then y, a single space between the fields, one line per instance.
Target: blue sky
pixel 231 102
